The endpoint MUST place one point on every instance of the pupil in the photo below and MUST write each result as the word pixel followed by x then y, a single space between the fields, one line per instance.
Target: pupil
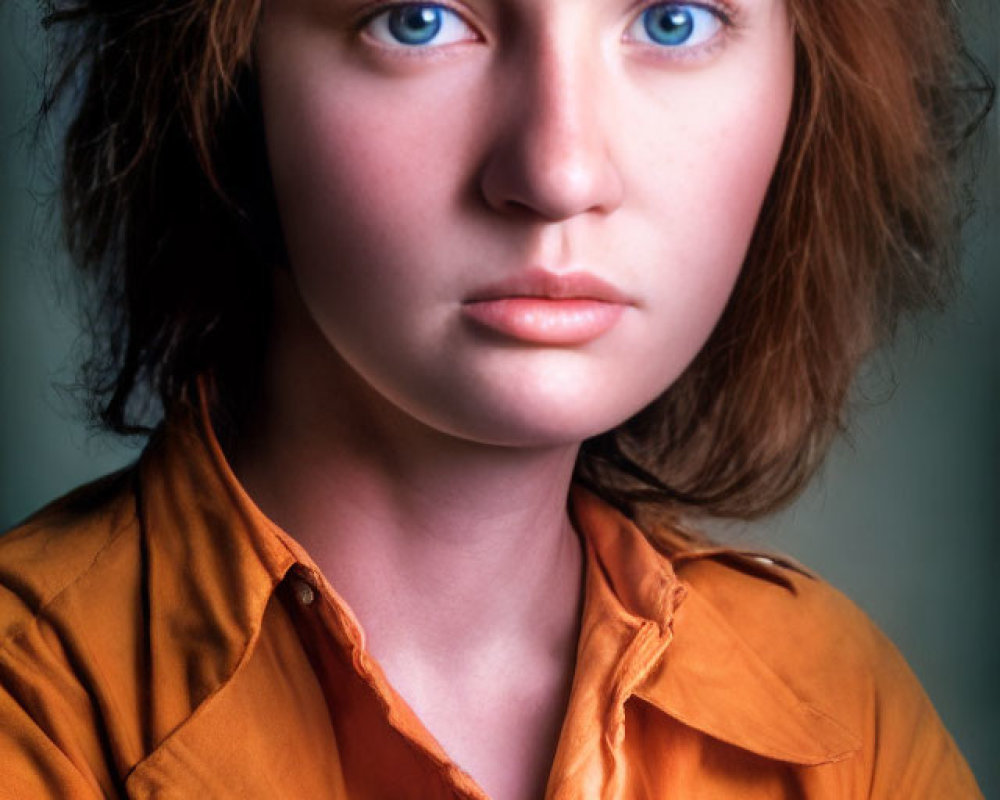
pixel 669 24
pixel 415 24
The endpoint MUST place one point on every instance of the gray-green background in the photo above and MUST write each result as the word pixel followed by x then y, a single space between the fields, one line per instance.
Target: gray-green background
pixel 904 518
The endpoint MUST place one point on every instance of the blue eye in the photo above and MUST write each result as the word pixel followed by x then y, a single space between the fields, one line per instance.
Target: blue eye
pixel 419 25
pixel 414 24
pixel 675 25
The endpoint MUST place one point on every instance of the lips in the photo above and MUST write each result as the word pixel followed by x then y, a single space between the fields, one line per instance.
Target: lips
pixel 547 308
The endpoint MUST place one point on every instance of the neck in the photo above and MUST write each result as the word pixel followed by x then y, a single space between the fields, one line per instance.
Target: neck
pixel 432 540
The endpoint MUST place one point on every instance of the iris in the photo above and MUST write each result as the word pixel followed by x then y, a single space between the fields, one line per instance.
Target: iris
pixel 415 24
pixel 669 24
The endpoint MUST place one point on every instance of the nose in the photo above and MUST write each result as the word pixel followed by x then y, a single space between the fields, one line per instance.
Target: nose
pixel 550 156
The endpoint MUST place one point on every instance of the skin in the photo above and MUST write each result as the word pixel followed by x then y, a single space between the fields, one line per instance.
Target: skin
pixel 423 460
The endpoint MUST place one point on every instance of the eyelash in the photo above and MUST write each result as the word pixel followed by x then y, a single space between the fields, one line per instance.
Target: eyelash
pixel 725 14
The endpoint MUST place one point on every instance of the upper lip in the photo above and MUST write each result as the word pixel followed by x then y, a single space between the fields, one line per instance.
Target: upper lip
pixel 543 283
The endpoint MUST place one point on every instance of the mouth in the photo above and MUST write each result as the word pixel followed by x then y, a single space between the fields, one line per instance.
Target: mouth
pixel 547 308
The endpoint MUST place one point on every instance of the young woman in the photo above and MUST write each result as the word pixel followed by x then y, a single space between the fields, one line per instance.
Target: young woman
pixel 459 316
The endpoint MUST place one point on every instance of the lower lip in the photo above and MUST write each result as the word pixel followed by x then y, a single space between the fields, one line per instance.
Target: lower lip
pixel 545 321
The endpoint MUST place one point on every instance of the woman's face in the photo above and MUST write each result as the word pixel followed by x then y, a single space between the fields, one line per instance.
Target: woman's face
pixel 519 220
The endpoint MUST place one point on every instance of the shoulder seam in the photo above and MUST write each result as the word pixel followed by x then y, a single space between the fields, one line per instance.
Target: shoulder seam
pixel 757 563
pixel 47 602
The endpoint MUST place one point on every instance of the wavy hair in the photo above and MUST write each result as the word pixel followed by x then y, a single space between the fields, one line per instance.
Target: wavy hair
pixel 169 215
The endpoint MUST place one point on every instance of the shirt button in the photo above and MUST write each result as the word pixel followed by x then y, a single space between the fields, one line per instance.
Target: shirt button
pixel 304 593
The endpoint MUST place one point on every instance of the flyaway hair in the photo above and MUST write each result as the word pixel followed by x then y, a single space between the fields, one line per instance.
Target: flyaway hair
pixel 169 215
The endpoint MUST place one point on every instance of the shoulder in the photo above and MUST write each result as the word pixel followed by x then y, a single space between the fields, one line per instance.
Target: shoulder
pixel 70 577
pixel 79 538
pixel 792 618
pixel 833 657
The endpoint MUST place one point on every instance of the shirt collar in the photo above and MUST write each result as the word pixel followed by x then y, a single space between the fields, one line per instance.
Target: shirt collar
pixel 699 670
pixel 210 544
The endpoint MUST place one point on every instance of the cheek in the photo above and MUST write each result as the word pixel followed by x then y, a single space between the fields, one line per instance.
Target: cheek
pixel 709 158
pixel 338 191
pixel 724 182
pixel 720 153
pixel 712 147
pixel 350 156
pixel 736 162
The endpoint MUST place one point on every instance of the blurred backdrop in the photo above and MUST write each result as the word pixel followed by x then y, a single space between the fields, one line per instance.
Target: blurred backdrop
pixel 905 517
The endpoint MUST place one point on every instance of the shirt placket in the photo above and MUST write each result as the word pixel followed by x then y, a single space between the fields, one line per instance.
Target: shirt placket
pixel 385 749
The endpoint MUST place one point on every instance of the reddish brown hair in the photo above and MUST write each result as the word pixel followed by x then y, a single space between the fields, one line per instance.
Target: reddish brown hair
pixel 168 211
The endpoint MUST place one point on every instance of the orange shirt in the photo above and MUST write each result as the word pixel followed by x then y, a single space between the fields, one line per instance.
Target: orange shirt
pixel 161 638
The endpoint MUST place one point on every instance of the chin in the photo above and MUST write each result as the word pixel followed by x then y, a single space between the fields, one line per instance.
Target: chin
pixel 534 422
